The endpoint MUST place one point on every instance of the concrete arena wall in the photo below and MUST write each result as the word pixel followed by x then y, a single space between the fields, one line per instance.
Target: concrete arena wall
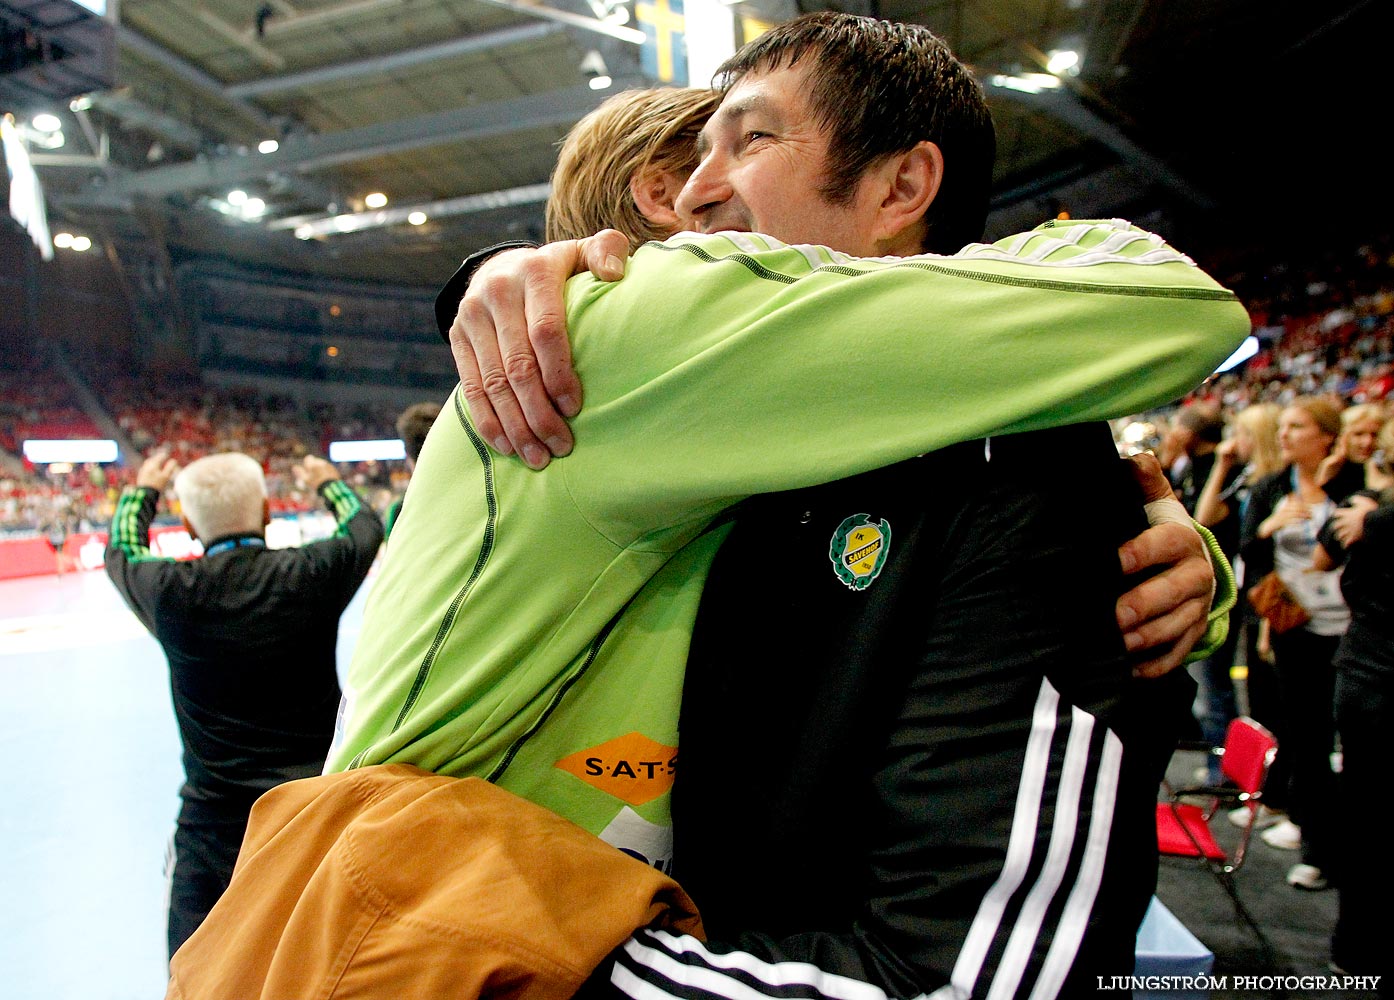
pixel 325 392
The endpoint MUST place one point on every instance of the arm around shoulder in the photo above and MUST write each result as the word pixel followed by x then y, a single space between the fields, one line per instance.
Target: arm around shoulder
pixel 1068 322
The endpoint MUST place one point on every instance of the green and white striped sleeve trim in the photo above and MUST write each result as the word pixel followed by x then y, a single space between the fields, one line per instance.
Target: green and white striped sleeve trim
pixel 126 533
pixel 343 501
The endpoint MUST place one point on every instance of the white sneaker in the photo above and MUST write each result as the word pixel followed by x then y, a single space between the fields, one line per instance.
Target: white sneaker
pixel 1266 817
pixel 1307 877
pixel 1285 836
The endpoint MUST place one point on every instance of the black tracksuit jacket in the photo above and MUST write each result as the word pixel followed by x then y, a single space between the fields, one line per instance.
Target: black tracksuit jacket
pixel 943 783
pixel 250 635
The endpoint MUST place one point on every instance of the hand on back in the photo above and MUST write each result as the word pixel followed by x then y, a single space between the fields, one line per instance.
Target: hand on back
pixel 510 344
pixel 1165 615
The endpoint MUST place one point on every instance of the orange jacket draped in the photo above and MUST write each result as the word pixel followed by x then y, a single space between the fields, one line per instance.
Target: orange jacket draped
pixel 390 881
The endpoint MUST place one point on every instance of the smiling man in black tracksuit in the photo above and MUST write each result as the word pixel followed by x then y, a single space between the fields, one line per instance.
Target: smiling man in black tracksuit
pixel 914 759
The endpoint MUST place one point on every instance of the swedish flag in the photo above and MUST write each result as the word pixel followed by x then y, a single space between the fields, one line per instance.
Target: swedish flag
pixel 664 52
pixel 752 28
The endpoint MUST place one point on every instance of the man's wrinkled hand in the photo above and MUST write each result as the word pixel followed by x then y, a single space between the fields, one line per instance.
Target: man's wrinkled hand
pixel 511 349
pixel 157 470
pixel 1167 614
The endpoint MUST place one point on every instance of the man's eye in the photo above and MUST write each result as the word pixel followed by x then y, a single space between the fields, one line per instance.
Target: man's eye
pixel 752 136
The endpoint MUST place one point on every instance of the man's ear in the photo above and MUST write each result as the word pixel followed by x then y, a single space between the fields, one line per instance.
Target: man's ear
pixel 911 183
pixel 654 191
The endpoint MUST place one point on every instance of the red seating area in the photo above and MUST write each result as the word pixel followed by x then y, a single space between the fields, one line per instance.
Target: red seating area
pixel 190 420
pixel 37 403
pixel 1326 327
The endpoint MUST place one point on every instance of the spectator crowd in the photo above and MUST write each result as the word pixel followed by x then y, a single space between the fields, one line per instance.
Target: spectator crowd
pixel 1325 327
pixel 187 421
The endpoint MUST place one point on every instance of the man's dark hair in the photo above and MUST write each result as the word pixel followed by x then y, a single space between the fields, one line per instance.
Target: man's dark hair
pixel 913 89
pixel 413 425
pixel 1205 422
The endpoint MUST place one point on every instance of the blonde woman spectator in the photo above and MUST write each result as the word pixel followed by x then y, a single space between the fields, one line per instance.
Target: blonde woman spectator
pixel 1345 466
pixel 1365 700
pixel 1285 512
pixel 1249 453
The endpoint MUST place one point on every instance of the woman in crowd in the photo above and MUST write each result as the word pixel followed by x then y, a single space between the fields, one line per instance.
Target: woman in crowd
pixel 1365 703
pixel 1248 454
pixel 1344 470
pixel 1285 512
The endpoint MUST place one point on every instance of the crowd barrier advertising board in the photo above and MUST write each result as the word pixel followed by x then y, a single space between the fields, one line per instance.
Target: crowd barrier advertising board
pixel 86 550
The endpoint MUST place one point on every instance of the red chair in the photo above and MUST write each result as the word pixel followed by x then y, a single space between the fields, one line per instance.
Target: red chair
pixel 1183 819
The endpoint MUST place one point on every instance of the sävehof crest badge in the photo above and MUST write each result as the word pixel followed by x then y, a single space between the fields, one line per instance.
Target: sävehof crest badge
pixel 859 549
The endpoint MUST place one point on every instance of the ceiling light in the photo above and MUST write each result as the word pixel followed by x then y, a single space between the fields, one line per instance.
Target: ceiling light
pixel 268 146
pixel 63 240
pixel 1062 61
pixel 1027 83
pixel 47 123
pixel 253 207
pixel 593 66
pixel 416 218
pixel 82 103
pixel 81 243
pixel 304 232
pixel 375 200
pixel 610 11
pixel 530 194
pixel 237 198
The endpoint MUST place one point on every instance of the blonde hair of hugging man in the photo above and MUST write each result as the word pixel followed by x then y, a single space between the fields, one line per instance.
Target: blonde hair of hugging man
pixel 623 164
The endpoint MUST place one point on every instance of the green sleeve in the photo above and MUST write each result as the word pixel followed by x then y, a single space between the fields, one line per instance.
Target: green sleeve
pixel 728 365
pixel 1226 593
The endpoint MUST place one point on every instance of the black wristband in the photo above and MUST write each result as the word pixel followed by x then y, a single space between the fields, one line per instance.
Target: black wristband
pixel 448 299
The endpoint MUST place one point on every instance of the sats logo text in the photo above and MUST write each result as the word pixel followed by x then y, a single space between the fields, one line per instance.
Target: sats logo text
pixel 632 768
